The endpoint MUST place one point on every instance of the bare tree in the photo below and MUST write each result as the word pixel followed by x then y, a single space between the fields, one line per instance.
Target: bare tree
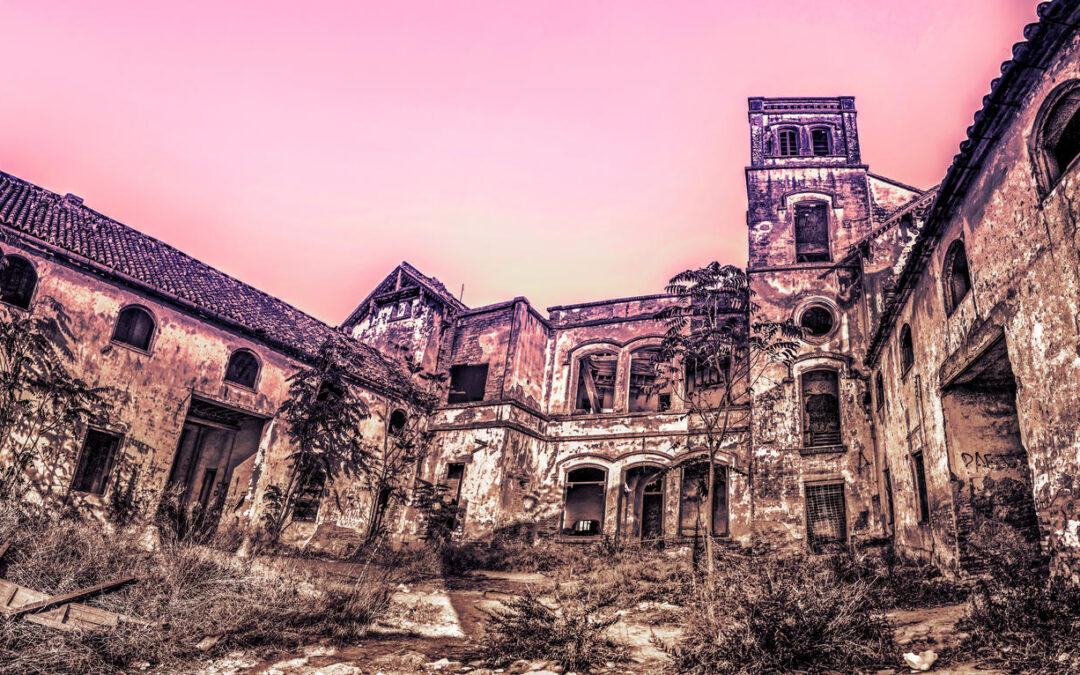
pixel 714 353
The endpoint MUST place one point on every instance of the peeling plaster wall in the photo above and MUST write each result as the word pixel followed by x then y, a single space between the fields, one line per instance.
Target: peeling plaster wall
pixel 1022 251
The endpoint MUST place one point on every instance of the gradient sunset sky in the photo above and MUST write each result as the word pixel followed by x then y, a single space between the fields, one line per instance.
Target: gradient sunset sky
pixel 565 151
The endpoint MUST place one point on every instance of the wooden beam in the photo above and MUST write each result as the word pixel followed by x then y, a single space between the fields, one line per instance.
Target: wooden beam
pixel 70 597
pixel 590 386
pixel 4 548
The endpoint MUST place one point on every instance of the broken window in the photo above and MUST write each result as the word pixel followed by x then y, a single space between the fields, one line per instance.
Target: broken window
pixel 583 512
pixel 918 470
pixel 811 232
pixel 819 140
pixel 702 374
pixel 821 406
pixel 135 327
pixel 879 390
pixel 17 281
pixel 788 140
pixel 95 462
pixel 309 497
pixel 817 321
pixel 596 382
pixel 694 494
pixel 826 517
pixel 907 349
pixel 957 279
pixel 243 368
pixel 648 390
pixel 467 383
pixel 397 423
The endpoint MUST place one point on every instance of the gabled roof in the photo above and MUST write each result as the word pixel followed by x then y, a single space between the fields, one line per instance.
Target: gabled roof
pixel 433 286
pixel 1058 23
pixel 109 248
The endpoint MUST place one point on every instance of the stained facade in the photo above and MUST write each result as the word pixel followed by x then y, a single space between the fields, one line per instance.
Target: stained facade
pixel 933 402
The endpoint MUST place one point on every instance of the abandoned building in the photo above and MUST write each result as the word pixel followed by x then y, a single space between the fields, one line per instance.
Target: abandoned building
pixel 934 401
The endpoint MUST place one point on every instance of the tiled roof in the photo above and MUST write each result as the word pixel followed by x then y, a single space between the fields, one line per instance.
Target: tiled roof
pixel 66 224
pixel 1058 22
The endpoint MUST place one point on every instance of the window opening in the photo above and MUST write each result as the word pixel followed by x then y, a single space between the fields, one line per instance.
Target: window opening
pixel 889 497
pixel 919 470
pixel 398 419
pixel 817 320
pixel 1060 135
pixel 820 141
pixel 693 495
pixel 467 383
pixel 957 276
pixel 309 497
pixel 583 512
pixel 811 232
pixel 243 369
pixel 907 349
pixel 596 382
pixel 647 390
pixel 95 462
pixel 135 327
pixel 17 281
pixel 826 517
pixel 789 142
pixel 821 405
pixel 879 390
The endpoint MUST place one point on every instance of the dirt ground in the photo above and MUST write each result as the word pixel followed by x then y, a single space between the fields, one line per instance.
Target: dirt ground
pixel 430 625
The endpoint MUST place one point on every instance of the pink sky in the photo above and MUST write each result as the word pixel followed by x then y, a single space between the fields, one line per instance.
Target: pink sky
pixel 565 151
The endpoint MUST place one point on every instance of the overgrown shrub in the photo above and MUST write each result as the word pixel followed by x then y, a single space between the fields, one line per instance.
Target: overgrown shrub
pixel 773 614
pixel 898 583
pixel 194 592
pixel 571 633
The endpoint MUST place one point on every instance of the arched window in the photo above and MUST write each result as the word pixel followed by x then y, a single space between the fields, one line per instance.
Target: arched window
pixel 17 281
pixel 583 510
pixel 398 418
pixel 956 278
pixel 243 369
pixel 596 382
pixel 811 232
pixel 649 390
pixel 788 141
pixel 907 349
pixel 819 141
pixel 1056 141
pixel 879 390
pixel 135 327
pixel 821 408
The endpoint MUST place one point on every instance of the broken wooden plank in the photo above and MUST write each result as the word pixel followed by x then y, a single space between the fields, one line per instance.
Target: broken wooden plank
pixel 4 548
pixel 68 597
pixel 69 616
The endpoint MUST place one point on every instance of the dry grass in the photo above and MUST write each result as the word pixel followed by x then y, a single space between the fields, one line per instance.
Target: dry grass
pixel 195 592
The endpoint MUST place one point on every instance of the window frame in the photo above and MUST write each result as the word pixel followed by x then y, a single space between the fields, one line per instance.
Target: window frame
pixel 918 481
pixel 1048 172
pixel 780 132
pixel 834 322
pixel 606 350
pixel 109 464
pixel 819 485
pixel 906 346
pixel 566 530
pixel 151 340
pixel 450 389
pixel 805 414
pixel 33 290
pixel 258 369
pixel 828 141
pixel 721 495
pixel 305 490
pixel 807 205
pixel 879 391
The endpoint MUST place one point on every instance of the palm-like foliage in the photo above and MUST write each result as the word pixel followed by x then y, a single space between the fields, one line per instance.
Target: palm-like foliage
pixel 41 401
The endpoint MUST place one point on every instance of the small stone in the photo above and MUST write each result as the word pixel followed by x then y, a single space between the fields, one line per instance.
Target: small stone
pixel 207 642
pixel 443 664
pixel 519 666
pixel 338 669
pixel 921 661
pixel 537 666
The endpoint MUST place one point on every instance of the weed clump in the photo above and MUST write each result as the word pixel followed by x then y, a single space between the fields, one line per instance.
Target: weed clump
pixel 571 633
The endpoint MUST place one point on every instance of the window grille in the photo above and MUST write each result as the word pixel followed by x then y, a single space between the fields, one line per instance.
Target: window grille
pixel 826 517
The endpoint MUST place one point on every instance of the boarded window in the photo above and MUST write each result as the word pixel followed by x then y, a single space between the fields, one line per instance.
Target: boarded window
pixel 309 497
pixel 826 517
pixel 879 390
pixel 135 327
pixel 957 278
pixel 596 382
pixel 583 511
pixel 811 232
pixel 819 138
pixel 243 368
pixel 467 383
pixel 817 321
pixel 648 389
pixel 17 281
pixel 821 406
pixel 919 477
pixel 694 494
pixel 95 462
pixel 788 140
pixel 907 349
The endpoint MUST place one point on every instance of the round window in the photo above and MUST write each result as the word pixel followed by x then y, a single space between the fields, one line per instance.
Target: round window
pixel 817 320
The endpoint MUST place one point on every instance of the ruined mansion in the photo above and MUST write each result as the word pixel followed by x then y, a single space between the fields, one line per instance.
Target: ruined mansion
pixel 935 395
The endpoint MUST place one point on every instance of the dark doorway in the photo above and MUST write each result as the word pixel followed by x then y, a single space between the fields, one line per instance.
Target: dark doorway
pixel 642 517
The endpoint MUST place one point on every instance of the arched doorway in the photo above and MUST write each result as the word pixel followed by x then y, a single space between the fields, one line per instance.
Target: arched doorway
pixel 642 509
